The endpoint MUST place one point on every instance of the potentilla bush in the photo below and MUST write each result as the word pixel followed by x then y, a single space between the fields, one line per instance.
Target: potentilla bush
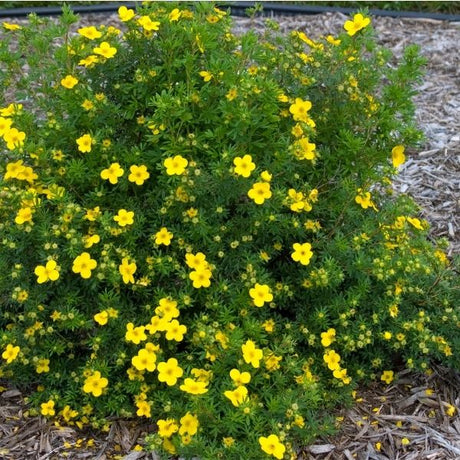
pixel 199 229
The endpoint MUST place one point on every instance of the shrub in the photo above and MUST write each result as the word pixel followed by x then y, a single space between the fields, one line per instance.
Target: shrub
pixel 199 228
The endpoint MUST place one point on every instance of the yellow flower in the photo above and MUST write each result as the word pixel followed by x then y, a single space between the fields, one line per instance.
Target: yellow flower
pixel 332 359
pixel 251 354
pixel 166 428
pixel 135 334
pixel 83 264
pixel 89 32
pixel 333 41
pixel 175 331
pixel 201 278
pixel 23 215
pixel 43 366
pixel 240 378
pixel 359 22
pixel 143 409
pixel 69 82
pixel 269 325
pixel 89 61
pixel 260 294
pixel 14 138
pixel 11 353
pixel 85 143
pixel 167 309
pixel 299 110
pixel 265 176
pixel 47 273
pixel 260 192
pixel 112 173
pixel 272 362
pixel 387 377
pixel 102 317
pixel 364 199
pixel 175 15
pixel 327 337
pixel 451 410
pixel 125 14
pixel 127 270
pixel 91 240
pixel 175 165
pixel 144 360
pixel 189 424
pixel 415 223
pixel 124 218
pixel 302 253
pixel 397 156
pixel 163 236
pixel 244 165
pixel 271 445
pixel 194 387
pixel 95 383
pixel 92 214
pixel 206 75
pixel 9 26
pixel 237 396
pixel 105 50
pixel 147 24
pixel 232 94
pixel 139 174
pixel 5 125
pixel 47 409
pixel 196 261
pixel 169 371
pixel 304 149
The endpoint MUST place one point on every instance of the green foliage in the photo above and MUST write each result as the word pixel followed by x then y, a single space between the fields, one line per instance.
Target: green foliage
pixel 199 228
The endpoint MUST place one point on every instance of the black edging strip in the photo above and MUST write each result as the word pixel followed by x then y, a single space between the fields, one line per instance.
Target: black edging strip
pixel 236 9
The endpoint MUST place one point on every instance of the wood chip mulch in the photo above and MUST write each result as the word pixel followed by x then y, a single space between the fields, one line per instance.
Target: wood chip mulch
pixel 415 417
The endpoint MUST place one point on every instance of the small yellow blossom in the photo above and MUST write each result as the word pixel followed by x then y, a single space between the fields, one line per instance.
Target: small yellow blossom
pixel 260 192
pixel 139 174
pixel 163 236
pixel 10 353
pixel 69 82
pixel 125 14
pixel 105 50
pixel 43 366
pixel 397 156
pixel 175 165
pixel 328 337
pixel 101 318
pixel 359 22
pixel 85 143
pixel 332 359
pixel 251 354
pixel 271 445
pixel 95 384
pixel 299 110
pixel 302 253
pixel 47 409
pixel 169 371
pixel 89 32
pixel 112 173
pixel 49 272
pixel 387 377
pixel 194 387
pixel 127 270
pixel 83 264
pixel 124 217
pixel 260 294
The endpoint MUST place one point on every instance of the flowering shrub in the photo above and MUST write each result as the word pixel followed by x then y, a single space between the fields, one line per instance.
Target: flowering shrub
pixel 198 228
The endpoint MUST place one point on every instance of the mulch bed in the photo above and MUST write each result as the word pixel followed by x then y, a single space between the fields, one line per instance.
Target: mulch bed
pixel 414 418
